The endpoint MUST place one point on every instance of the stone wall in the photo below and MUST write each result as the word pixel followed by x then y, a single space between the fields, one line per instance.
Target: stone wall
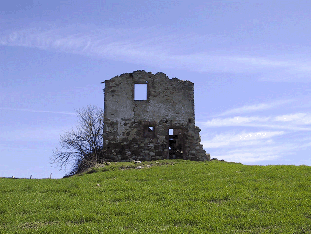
pixel 139 129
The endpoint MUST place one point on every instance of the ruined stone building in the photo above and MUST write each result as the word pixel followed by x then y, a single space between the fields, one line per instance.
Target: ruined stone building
pixel 159 125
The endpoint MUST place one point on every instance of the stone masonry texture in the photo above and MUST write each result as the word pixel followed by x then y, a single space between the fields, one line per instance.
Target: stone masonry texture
pixel 160 127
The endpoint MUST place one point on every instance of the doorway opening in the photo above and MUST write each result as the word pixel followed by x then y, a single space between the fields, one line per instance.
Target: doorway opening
pixel 175 143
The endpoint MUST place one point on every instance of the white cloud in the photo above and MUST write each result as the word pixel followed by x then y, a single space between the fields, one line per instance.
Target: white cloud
pixel 240 139
pixel 234 121
pixel 153 48
pixel 247 157
pixel 293 122
pixel 256 107
pixel 290 117
pixel 255 147
pixel 256 154
pixel 297 119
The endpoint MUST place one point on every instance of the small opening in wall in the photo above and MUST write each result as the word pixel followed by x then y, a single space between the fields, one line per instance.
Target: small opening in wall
pixel 149 131
pixel 140 92
pixel 175 143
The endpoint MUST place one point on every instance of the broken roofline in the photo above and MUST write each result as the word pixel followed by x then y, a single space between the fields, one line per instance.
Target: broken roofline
pixel 169 105
pixel 161 73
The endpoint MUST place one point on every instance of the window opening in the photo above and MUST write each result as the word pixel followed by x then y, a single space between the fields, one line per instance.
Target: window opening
pixel 175 143
pixel 140 92
pixel 149 131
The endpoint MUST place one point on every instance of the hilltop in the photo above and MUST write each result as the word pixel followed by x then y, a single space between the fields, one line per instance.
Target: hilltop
pixel 169 196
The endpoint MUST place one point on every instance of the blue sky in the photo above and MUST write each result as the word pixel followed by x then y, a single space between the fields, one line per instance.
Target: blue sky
pixel 249 60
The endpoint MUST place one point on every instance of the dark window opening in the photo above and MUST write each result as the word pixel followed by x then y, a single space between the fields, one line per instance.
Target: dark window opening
pixel 140 92
pixel 175 143
pixel 149 132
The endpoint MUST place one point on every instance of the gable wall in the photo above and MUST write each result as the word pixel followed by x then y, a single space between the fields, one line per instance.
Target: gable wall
pixel 170 104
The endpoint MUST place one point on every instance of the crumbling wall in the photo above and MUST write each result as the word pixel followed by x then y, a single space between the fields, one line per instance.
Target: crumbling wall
pixel 139 129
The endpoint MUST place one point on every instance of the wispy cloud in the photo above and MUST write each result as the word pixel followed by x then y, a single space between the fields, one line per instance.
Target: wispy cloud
pixel 155 48
pixel 248 156
pixel 256 153
pixel 246 147
pixel 297 118
pixel 38 111
pixel 256 107
pixel 294 122
pixel 233 121
pixel 241 139
pixel 279 135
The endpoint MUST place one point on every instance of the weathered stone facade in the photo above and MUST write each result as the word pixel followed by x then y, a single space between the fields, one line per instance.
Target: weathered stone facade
pixel 162 126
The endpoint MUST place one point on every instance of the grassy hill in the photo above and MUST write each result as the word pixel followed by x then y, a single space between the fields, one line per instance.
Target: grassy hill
pixel 170 196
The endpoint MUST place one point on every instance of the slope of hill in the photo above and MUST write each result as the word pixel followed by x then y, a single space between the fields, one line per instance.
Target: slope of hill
pixel 170 196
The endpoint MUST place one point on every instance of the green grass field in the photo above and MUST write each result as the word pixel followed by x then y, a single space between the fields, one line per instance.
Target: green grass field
pixel 171 196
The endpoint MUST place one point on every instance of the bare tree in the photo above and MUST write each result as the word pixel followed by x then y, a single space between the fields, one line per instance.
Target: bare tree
pixel 82 146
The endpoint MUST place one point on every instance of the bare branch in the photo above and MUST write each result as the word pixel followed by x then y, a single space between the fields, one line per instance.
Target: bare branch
pixel 83 144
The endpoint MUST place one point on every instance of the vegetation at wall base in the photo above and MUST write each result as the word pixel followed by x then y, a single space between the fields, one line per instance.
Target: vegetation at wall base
pixel 169 196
